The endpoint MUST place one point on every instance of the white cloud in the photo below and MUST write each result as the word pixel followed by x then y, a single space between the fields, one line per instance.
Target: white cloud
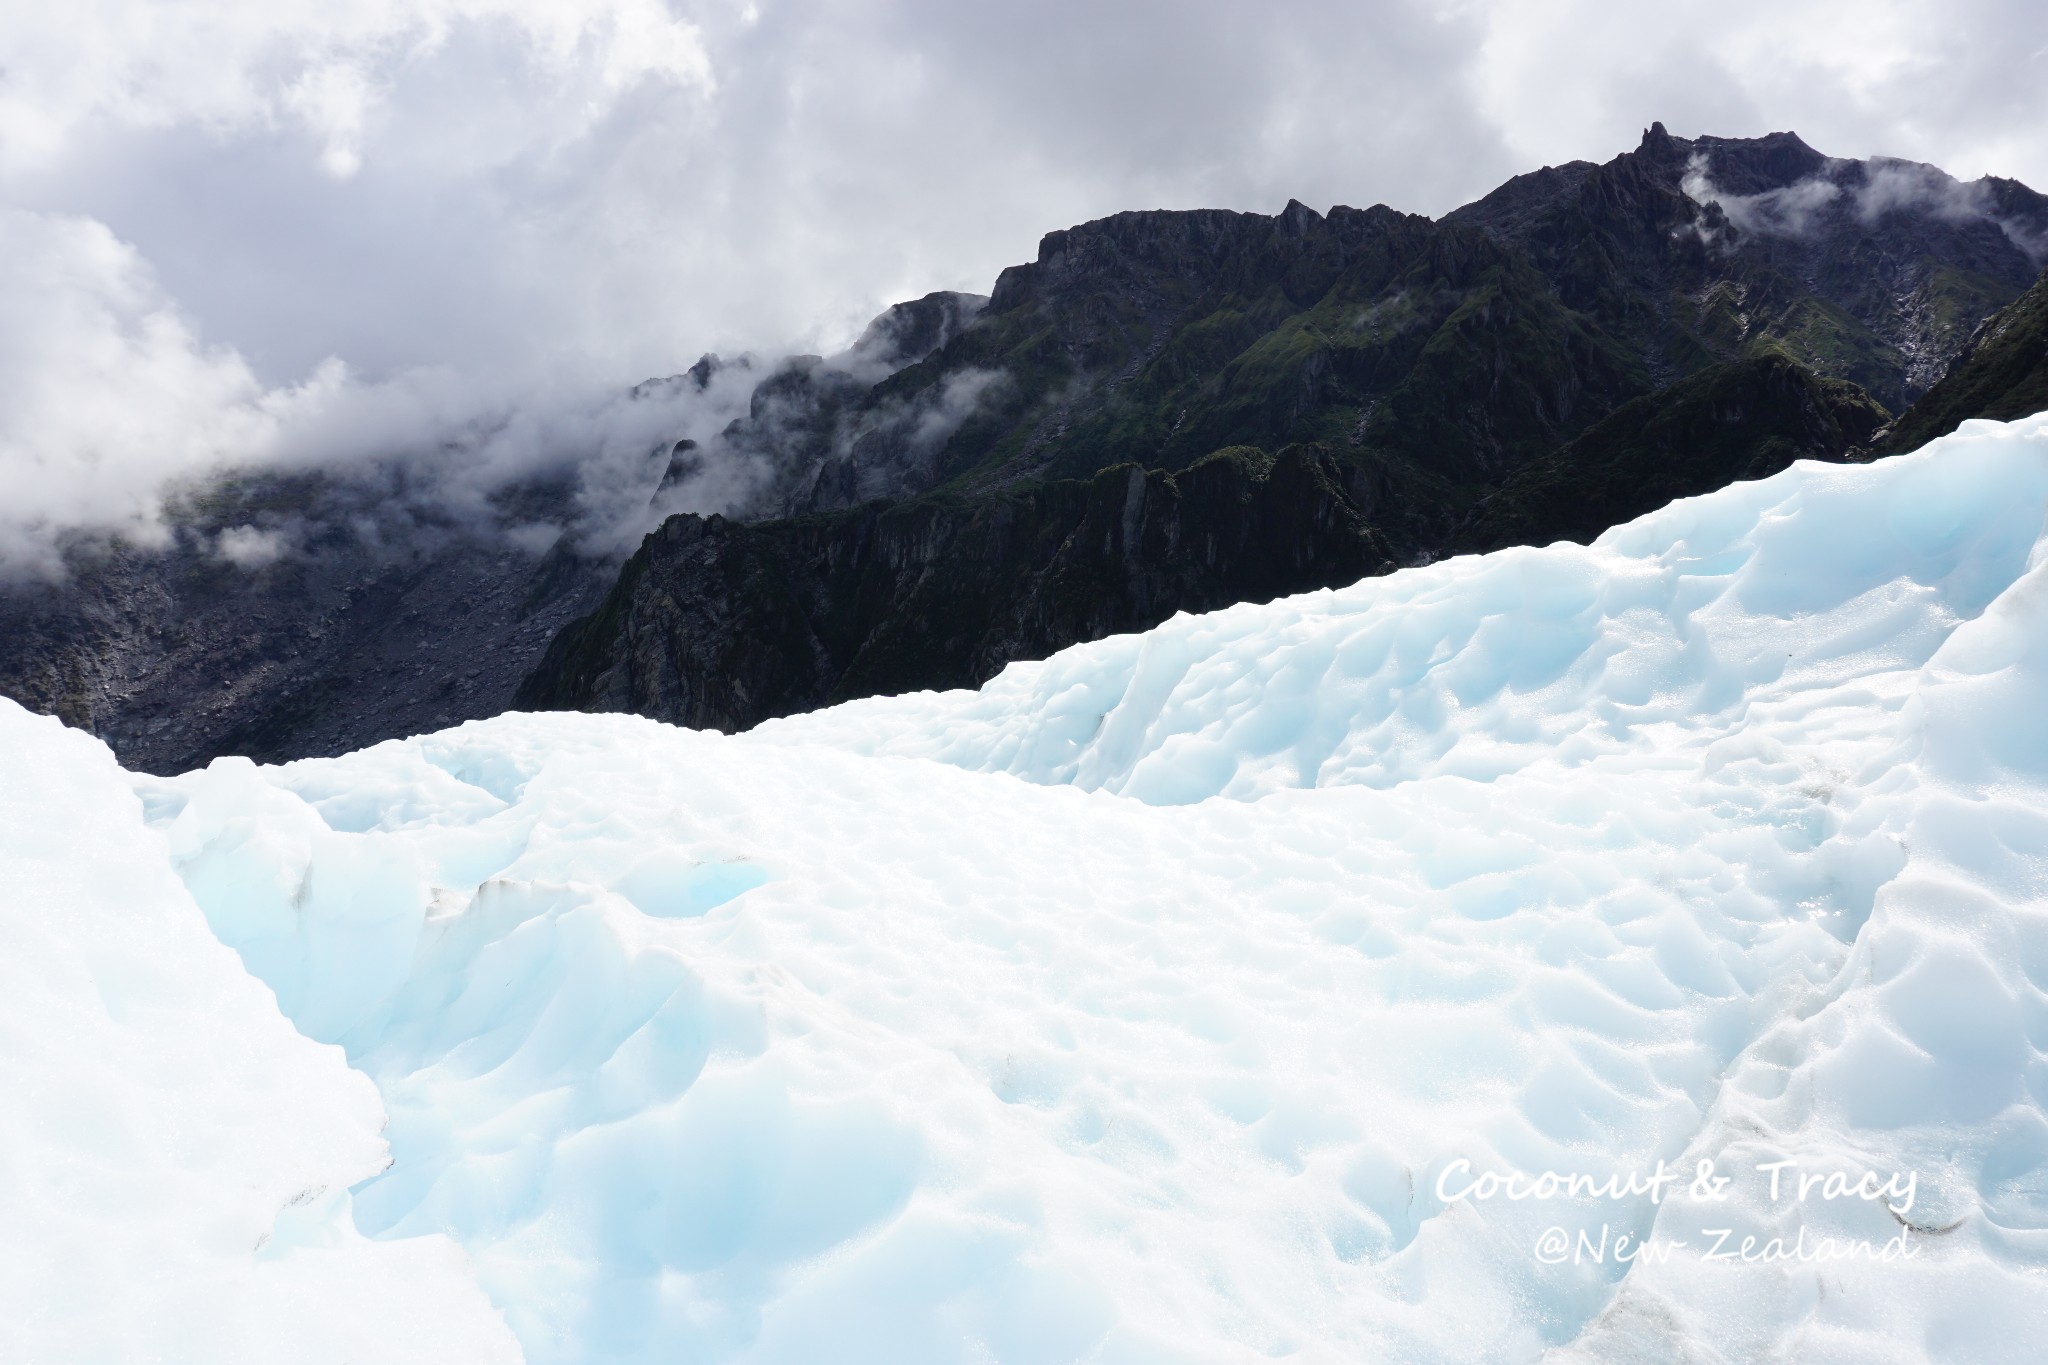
pixel 250 547
pixel 1894 186
pixel 1885 185
pixel 1950 82
pixel 232 65
pixel 334 101
pixel 109 400
pixel 1787 212
pixel 104 390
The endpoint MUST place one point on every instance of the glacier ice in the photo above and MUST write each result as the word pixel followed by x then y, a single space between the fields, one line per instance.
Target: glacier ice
pixel 1131 1007
pixel 176 1159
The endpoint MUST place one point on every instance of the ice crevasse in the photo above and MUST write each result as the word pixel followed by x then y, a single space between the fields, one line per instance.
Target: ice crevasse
pixel 1130 1009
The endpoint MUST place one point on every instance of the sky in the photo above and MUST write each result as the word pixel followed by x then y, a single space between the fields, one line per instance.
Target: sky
pixel 298 231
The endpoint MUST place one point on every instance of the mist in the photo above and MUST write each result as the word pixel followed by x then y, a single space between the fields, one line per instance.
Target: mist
pixel 1869 190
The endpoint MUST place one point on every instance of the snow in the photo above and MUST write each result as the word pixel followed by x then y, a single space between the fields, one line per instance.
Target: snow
pixel 1133 1008
pixel 176 1159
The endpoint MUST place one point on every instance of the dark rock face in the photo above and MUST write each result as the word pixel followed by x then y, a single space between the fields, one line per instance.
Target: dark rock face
pixel 720 624
pixel 2002 375
pixel 808 412
pixel 1159 337
pixel 384 617
pixel 1745 419
pixel 908 332
pixel 175 656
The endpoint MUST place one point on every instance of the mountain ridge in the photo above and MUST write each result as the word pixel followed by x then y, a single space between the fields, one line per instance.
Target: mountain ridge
pixel 1519 403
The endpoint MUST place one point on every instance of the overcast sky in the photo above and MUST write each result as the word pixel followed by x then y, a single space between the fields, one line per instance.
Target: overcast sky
pixel 312 229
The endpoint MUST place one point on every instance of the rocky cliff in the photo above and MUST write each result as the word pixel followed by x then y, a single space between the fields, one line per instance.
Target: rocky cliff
pixel 720 624
pixel 1742 419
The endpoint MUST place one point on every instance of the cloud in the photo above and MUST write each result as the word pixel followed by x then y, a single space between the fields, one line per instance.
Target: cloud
pixel 105 392
pixel 231 66
pixel 1872 188
pixel 110 403
pixel 1789 211
pixel 1958 83
pixel 959 398
pixel 250 547
pixel 458 230
pixel 334 101
pixel 1894 186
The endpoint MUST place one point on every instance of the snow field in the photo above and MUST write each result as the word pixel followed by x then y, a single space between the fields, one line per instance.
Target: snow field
pixel 1721 839
pixel 176 1158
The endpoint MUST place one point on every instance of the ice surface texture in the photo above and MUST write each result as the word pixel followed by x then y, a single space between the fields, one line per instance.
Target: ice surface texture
pixel 1723 838
pixel 175 1159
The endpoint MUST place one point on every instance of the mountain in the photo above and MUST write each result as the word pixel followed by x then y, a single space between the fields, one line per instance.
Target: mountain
pixel 718 624
pixel 1160 337
pixel 380 620
pixel 1704 249
pixel 1442 352
pixel 985 478
pixel 294 614
pixel 1574 350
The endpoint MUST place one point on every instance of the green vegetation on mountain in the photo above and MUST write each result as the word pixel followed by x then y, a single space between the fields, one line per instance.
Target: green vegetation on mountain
pixel 1446 353
pixel 1156 338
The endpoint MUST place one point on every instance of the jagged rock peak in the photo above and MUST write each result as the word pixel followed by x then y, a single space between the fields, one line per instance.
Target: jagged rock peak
pixel 906 333
pixel 1297 218
pixel 695 379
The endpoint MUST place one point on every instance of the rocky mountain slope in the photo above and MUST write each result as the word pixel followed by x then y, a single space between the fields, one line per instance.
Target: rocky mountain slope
pixel 384 612
pixel 1576 349
pixel 2002 375
pixel 719 624
pixel 1703 249
pixel 1442 351
pixel 178 654
pixel 1742 419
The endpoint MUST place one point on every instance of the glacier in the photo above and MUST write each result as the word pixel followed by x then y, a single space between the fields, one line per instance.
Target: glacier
pixel 176 1158
pixel 1136 1007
